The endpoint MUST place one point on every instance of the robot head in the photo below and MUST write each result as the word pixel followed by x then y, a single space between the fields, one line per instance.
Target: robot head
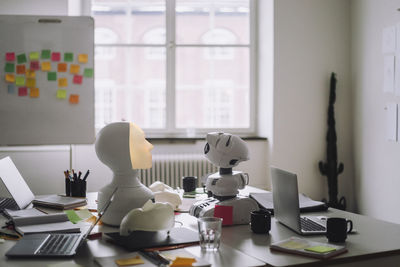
pixel 225 150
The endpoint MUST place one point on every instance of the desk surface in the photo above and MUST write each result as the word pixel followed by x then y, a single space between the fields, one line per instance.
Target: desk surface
pixel 375 243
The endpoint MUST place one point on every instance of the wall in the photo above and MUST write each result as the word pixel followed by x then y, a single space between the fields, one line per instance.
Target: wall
pixel 377 166
pixel 311 40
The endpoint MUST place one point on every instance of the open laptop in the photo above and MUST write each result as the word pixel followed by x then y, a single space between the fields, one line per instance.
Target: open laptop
pixel 16 186
pixel 286 205
pixel 53 244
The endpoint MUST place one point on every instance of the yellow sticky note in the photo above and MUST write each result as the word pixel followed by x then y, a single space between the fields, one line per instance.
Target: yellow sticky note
pixel 82 58
pixel 181 261
pixel 46 66
pixel 20 80
pixel 30 74
pixel 10 78
pixel 30 82
pixel 34 55
pixel 129 261
pixel 74 69
pixel 61 94
pixel 34 93
pixel 63 82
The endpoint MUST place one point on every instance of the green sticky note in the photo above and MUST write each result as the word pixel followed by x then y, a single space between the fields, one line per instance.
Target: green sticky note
pixel 20 80
pixel 21 58
pixel 84 214
pixel 34 55
pixel 68 57
pixel 61 94
pixel 52 76
pixel 72 216
pixel 10 67
pixel 320 249
pixel 88 73
pixel 45 54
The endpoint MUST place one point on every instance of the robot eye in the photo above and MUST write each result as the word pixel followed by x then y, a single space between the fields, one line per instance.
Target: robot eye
pixel 206 148
pixel 229 141
pixel 233 162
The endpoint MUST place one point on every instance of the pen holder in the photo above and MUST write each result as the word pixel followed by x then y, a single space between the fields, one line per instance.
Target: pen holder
pixel 75 188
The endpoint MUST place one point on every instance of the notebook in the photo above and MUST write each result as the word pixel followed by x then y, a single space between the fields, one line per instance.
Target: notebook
pixel 53 245
pixel 286 205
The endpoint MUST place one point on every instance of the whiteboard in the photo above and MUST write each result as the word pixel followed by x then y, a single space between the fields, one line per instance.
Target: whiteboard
pixel 47 84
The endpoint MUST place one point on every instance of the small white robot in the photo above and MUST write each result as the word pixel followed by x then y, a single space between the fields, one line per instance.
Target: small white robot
pixel 226 151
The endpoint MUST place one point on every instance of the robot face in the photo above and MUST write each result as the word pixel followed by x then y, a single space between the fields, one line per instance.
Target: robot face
pixel 225 150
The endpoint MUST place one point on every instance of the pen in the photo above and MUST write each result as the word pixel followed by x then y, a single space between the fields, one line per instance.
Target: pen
pixel 86 175
pixel 79 176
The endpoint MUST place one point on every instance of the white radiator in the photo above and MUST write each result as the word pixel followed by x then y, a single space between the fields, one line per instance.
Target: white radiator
pixel 170 168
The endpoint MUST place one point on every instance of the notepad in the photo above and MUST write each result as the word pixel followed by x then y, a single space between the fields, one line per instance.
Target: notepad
pixel 59 202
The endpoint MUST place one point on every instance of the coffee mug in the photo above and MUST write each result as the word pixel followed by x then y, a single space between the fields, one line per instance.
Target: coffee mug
pixel 189 183
pixel 260 221
pixel 337 229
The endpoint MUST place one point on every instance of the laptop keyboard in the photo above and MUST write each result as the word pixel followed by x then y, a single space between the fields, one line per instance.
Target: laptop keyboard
pixel 58 244
pixel 8 203
pixel 310 226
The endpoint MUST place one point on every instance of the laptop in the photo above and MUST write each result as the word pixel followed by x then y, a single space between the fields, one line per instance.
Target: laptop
pixel 16 186
pixel 53 244
pixel 286 205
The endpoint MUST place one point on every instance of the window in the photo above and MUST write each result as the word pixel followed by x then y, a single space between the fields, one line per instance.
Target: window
pixel 175 65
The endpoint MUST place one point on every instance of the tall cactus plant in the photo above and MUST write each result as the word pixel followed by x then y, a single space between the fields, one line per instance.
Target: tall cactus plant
pixel 330 168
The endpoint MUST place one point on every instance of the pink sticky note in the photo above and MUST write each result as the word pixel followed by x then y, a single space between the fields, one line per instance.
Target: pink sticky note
pixel 35 65
pixel 224 212
pixel 77 79
pixel 22 91
pixel 10 56
pixel 55 56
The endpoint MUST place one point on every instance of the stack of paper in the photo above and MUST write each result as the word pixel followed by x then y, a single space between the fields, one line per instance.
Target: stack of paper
pixel 59 202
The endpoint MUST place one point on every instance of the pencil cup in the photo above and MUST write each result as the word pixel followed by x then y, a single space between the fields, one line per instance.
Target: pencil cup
pixel 209 232
pixel 68 187
pixel 78 188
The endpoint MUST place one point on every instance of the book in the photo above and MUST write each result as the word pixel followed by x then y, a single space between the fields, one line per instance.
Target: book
pixel 305 247
pixel 60 202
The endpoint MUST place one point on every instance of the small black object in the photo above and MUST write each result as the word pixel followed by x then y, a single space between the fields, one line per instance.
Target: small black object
pixel 261 221
pixel 189 183
pixel 78 188
pixel 337 229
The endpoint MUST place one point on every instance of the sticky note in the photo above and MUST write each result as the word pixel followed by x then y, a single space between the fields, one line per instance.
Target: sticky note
pixel 61 93
pixel 74 69
pixel 82 58
pixel 21 69
pixel 320 249
pixel 130 261
pixel 74 99
pixel 35 65
pixel 62 82
pixel 10 67
pixel 77 79
pixel 30 82
pixel 20 80
pixel 72 216
pixel 46 66
pixel 62 67
pixel 224 212
pixel 34 55
pixel 55 56
pixel 10 78
pixel 10 88
pixel 68 57
pixel 181 261
pixel 22 91
pixel 10 56
pixel 34 93
pixel 52 76
pixel 30 74
pixel 21 58
pixel 88 73
pixel 45 54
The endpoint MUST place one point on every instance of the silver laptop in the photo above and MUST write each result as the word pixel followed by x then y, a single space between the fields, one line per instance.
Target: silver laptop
pixel 21 194
pixel 286 205
pixel 53 244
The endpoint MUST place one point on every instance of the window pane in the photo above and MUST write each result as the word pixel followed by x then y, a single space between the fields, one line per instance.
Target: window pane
pixel 130 20
pixel 130 85
pixel 196 18
pixel 212 87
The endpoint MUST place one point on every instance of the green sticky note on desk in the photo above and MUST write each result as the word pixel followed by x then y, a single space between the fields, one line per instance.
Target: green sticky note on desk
pixel 45 54
pixel 10 67
pixel 68 57
pixel 52 76
pixel 72 216
pixel 88 73
pixel 320 249
pixel 21 58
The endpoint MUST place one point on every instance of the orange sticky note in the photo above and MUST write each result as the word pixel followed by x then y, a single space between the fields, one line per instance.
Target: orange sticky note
pixel 63 82
pixel 30 74
pixel 62 67
pixel 34 93
pixel 10 78
pixel 74 69
pixel 21 69
pixel 46 66
pixel 30 82
pixel 181 261
pixel 129 261
pixel 61 94
pixel 82 58
pixel 74 99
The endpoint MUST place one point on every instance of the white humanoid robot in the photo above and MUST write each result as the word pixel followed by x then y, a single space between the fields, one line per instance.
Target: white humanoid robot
pixel 226 151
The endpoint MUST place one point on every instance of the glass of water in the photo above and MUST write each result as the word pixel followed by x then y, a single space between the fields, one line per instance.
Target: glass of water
pixel 209 232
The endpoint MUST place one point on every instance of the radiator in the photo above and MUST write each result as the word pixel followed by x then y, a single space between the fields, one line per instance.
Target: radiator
pixel 170 168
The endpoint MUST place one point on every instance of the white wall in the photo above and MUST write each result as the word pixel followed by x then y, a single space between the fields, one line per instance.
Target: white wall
pixel 377 168
pixel 35 7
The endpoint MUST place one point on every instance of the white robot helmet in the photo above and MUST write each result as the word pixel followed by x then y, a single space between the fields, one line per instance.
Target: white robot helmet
pixel 225 150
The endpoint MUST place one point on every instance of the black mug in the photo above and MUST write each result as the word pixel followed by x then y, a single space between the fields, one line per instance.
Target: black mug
pixel 260 221
pixel 189 183
pixel 337 229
